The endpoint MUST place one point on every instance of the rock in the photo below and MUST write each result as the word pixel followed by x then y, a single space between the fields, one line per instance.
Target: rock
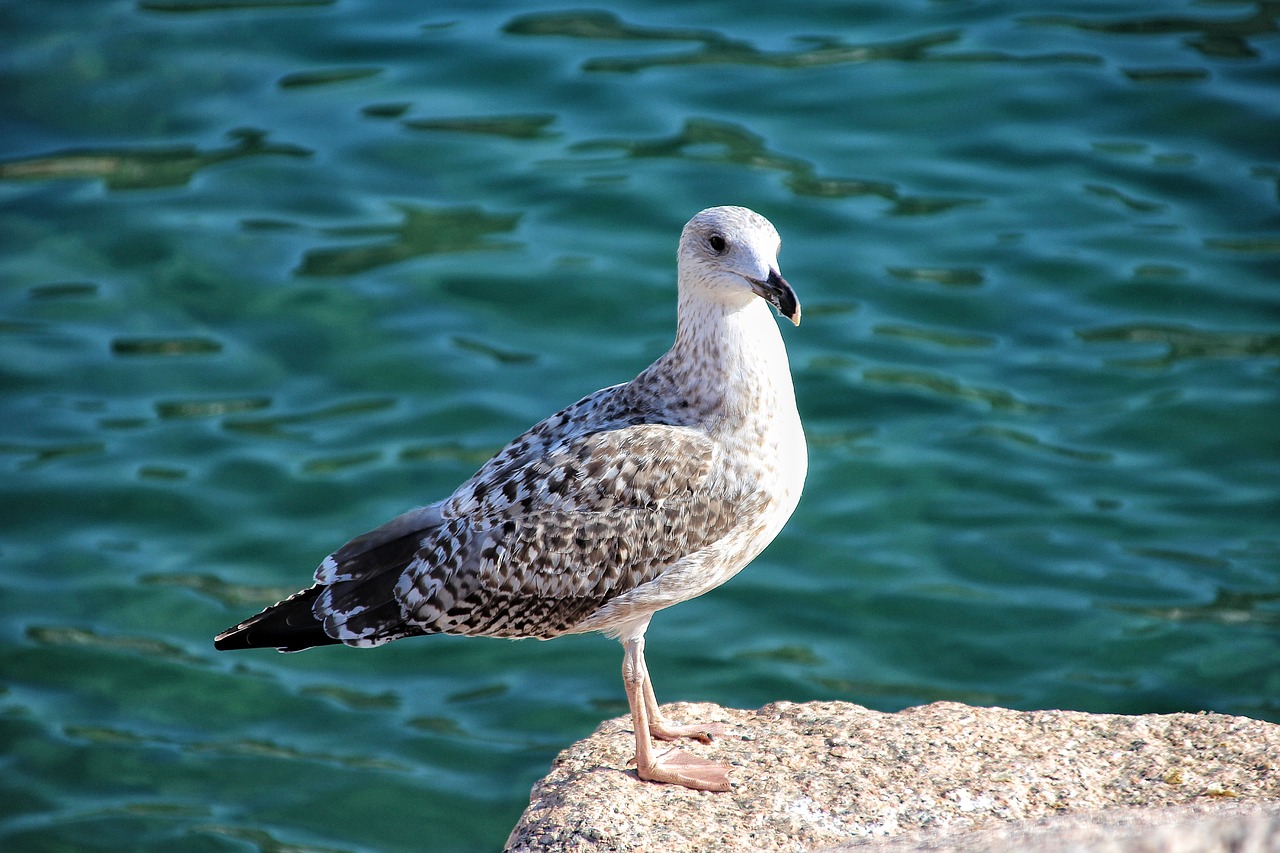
pixel 1236 826
pixel 818 775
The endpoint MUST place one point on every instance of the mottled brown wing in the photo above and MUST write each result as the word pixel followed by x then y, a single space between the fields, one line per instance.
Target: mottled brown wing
pixel 585 522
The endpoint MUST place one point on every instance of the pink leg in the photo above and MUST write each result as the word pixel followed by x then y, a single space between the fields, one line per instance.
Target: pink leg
pixel 673 766
pixel 663 730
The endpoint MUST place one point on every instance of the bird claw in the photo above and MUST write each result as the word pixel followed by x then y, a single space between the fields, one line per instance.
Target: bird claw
pixel 680 768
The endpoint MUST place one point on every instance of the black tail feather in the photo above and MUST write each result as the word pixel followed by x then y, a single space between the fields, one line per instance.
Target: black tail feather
pixel 362 576
pixel 289 626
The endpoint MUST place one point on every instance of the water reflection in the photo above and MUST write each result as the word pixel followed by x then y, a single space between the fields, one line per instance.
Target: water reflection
pixel 225 5
pixel 357 700
pixel 1212 37
pixel 1228 607
pixel 939 337
pixel 144 168
pixel 948 276
pixel 38 455
pixel 175 346
pixel 1136 204
pixel 715 48
pixel 1166 75
pixel 1265 244
pixel 498 354
pixel 260 839
pixel 511 126
pixel 790 654
pixel 702 139
pixel 1185 342
pixel 387 110
pixel 330 465
pixel 132 645
pixel 161 473
pixel 589 24
pixel 447 452
pixel 233 595
pixel 421 231
pixel 1033 442
pixel 269 749
pixel 210 408
pixel 63 290
pixel 946 386
pixel 278 426
pixel 325 77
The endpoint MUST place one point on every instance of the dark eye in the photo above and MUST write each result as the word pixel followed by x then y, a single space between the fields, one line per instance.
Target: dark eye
pixel 717 243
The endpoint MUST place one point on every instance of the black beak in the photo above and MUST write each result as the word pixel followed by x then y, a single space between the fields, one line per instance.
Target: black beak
pixel 779 294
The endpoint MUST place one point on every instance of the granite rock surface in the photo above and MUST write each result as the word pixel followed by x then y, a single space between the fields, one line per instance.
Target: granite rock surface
pixel 836 775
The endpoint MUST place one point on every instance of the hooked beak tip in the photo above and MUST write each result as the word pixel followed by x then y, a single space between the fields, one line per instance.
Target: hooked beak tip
pixel 777 292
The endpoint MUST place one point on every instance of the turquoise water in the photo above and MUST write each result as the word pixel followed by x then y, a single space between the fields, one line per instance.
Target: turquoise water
pixel 271 273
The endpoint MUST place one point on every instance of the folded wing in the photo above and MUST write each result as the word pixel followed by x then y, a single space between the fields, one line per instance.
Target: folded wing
pixel 531 546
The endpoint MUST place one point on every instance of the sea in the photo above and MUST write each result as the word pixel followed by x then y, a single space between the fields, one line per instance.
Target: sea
pixel 274 271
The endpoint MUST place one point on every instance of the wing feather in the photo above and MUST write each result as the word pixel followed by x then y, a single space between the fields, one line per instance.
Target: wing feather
pixel 541 539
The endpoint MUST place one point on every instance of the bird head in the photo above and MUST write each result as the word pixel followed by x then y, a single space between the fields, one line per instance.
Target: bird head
pixel 732 252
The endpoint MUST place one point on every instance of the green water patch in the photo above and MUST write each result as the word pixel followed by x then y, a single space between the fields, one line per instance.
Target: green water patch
pixel 421 232
pixel 143 167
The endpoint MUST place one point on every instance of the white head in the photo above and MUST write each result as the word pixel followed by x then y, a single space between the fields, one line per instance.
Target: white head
pixel 729 253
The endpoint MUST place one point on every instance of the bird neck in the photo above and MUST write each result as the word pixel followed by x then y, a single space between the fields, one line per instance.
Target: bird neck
pixel 730 356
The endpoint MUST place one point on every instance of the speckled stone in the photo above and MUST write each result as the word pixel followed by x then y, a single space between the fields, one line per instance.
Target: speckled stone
pixel 817 775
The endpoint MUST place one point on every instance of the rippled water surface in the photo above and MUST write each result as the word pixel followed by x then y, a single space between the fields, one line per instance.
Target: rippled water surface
pixel 272 272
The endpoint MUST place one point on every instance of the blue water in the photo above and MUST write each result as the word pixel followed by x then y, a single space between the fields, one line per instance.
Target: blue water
pixel 271 273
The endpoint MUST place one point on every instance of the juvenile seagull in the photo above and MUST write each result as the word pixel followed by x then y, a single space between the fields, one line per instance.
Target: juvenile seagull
pixel 634 498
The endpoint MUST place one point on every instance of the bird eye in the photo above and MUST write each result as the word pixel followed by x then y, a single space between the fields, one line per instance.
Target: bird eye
pixel 717 243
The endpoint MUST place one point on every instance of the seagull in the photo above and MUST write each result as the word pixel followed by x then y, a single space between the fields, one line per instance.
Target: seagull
pixel 634 498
